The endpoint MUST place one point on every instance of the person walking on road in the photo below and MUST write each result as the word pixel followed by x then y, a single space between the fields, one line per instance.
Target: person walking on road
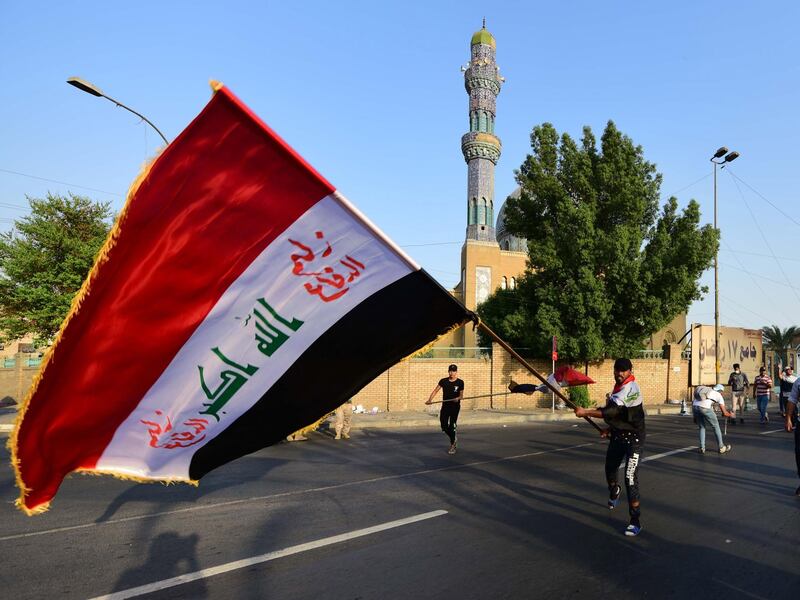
pixel 452 393
pixel 787 378
pixel 793 422
pixel 762 389
pixel 624 413
pixel 739 384
pixel 704 415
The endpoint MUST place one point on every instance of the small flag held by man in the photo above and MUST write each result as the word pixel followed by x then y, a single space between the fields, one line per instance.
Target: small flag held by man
pixel 238 298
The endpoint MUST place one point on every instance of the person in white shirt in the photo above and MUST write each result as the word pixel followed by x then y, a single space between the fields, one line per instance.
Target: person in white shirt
pixel 704 415
pixel 787 378
pixel 793 423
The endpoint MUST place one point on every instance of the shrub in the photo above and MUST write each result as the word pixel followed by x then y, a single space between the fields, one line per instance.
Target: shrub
pixel 579 396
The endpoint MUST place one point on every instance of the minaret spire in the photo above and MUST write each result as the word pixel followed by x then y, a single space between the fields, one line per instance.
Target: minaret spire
pixel 481 147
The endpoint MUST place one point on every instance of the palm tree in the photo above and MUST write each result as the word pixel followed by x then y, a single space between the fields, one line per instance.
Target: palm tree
pixel 779 341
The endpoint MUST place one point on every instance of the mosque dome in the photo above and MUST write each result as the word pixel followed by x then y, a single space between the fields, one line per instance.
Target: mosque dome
pixel 482 36
pixel 506 240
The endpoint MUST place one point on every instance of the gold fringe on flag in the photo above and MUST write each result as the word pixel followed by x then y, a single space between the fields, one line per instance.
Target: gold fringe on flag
pixel 77 301
pixel 310 428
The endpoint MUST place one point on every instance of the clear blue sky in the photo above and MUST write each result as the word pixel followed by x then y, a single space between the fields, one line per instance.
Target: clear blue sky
pixel 371 94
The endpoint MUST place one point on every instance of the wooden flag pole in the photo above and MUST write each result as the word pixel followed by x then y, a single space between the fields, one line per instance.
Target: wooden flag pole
pixel 536 374
pixel 475 397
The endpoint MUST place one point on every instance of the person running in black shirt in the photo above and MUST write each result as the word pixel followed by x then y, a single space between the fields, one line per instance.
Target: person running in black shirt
pixel 452 393
pixel 624 413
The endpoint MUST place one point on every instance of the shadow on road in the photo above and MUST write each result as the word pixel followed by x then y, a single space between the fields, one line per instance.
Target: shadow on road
pixel 169 555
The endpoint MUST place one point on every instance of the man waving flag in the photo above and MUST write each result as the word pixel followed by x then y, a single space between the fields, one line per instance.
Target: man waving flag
pixel 238 298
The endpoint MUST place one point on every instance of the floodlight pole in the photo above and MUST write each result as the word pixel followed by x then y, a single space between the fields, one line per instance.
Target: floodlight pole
pixel 89 88
pixel 729 157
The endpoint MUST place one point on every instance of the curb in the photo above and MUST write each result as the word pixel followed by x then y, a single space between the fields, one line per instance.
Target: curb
pixel 484 419
pixel 404 420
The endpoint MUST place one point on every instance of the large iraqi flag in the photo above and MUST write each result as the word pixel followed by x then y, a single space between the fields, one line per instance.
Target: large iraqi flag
pixel 238 298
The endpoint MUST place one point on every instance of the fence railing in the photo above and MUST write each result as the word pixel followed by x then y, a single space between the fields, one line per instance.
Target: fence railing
pixel 455 352
pixel 29 360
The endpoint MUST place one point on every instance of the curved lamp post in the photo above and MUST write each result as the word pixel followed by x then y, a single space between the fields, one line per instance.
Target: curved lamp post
pixel 89 88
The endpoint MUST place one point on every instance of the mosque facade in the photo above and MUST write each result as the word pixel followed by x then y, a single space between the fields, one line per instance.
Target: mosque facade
pixel 491 257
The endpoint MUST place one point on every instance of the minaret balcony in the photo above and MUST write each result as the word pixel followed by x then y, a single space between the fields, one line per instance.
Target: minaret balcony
pixel 476 82
pixel 477 144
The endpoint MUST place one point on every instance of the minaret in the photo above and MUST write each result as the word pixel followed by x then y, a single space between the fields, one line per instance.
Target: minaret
pixel 481 147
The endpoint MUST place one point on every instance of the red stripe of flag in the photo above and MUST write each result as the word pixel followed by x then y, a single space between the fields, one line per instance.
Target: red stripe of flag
pixel 216 197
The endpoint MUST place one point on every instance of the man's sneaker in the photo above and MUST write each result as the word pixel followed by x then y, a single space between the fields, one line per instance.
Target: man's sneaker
pixel 452 449
pixel 632 530
pixel 345 436
pixel 613 498
pixel 766 418
pixel 701 450
pixel 724 449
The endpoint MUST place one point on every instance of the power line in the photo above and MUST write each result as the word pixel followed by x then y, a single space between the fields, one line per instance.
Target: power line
pixel 775 281
pixel 757 193
pixel 12 206
pixel 761 255
pixel 686 187
pixel 83 187
pixel 429 244
pixel 743 307
pixel 766 242
pixel 743 269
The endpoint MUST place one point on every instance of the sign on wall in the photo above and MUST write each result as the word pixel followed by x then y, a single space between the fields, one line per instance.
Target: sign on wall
pixel 737 345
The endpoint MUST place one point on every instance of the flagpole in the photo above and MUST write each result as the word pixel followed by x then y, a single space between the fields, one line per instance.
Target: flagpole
pixel 535 373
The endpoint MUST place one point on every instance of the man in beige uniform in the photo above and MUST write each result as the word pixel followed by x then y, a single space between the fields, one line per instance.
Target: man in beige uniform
pixel 342 424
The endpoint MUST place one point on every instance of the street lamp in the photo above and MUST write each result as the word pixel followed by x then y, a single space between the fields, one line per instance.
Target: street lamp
pixel 89 88
pixel 718 160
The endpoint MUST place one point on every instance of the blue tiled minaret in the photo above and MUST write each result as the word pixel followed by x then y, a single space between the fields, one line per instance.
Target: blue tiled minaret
pixel 481 147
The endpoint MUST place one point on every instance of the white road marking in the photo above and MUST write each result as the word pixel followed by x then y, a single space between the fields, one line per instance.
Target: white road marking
pixel 670 453
pixel 262 558
pixel 662 455
pixel 325 488
pixel 768 432
pixel 738 589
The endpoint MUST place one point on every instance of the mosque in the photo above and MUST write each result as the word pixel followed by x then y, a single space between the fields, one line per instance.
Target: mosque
pixel 491 257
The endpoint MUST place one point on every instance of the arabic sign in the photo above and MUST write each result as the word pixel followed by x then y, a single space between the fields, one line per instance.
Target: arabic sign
pixel 737 345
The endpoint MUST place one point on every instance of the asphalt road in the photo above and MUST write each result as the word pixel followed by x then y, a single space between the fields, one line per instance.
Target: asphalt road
pixel 525 518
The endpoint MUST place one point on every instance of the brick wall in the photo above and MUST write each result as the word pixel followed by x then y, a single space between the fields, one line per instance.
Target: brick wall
pixel 15 381
pixel 408 384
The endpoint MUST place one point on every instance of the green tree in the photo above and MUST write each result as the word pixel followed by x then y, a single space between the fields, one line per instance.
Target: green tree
pixel 44 260
pixel 606 267
pixel 779 341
